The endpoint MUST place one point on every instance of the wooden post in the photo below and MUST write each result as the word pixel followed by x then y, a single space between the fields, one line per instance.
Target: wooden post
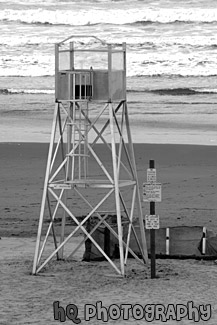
pixel 152 234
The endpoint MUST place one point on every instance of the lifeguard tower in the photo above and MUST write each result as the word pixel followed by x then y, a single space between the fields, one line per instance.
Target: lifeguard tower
pixel 90 110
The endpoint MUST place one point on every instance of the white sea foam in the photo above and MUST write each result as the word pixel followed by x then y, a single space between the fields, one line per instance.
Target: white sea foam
pixel 30 91
pixel 176 47
pixel 7 91
pixel 84 15
pixel 206 90
pixel 138 63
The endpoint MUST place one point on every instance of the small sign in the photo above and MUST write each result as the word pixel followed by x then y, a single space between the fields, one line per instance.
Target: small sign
pixel 151 175
pixel 62 186
pixel 152 222
pixel 152 192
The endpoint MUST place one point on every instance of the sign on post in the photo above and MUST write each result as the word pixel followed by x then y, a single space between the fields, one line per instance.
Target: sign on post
pixel 152 192
pixel 152 222
pixel 151 175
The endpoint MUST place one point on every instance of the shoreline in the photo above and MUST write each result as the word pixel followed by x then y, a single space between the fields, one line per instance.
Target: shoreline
pixel 153 118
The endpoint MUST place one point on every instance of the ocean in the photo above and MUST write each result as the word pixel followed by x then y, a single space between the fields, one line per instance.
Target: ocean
pixel 171 64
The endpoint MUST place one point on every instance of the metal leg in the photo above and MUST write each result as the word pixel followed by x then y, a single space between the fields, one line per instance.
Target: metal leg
pixel 116 185
pixel 41 218
pixel 139 206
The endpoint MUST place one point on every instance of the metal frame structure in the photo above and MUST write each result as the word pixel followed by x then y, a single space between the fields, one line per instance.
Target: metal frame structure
pixel 68 175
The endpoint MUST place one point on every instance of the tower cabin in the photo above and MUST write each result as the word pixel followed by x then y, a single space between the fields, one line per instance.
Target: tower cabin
pixel 95 73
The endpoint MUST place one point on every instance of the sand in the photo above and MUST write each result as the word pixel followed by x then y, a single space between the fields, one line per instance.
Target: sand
pixel 189 179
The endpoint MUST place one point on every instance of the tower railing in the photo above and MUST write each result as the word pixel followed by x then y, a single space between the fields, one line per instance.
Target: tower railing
pixel 75 85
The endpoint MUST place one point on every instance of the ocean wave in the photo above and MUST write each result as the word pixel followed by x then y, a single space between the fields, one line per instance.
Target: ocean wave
pixel 132 72
pixel 172 21
pixel 13 91
pixel 172 74
pixel 183 91
pixel 84 15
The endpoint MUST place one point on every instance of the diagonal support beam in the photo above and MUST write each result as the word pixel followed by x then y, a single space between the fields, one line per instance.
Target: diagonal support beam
pixel 101 137
pixel 108 226
pixel 80 225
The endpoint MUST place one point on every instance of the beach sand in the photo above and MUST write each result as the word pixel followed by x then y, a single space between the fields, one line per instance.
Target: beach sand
pixel 189 180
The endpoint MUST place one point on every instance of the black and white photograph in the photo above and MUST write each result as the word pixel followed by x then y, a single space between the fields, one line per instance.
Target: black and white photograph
pixel 108 162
